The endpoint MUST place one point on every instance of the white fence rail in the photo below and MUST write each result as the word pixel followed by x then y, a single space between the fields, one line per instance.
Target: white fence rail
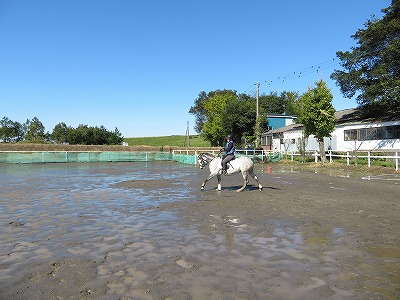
pixel 349 155
pixel 262 154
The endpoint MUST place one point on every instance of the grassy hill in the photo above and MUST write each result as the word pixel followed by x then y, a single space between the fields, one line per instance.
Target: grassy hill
pixel 172 140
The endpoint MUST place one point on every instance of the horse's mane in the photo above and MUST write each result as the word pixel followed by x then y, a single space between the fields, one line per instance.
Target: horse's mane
pixel 208 155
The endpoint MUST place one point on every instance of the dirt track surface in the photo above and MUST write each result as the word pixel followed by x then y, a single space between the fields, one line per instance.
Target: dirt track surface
pixel 146 231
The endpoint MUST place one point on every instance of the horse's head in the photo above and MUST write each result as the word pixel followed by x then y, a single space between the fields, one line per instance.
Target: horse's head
pixel 203 159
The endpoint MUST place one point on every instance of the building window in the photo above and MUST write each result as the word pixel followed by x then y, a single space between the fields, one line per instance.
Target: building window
pixel 263 140
pixel 350 135
pixel 373 133
pixel 396 130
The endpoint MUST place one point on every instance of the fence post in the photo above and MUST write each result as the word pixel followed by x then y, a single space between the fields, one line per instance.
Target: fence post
pixel 369 159
pixel 291 156
pixel 397 161
pixel 330 156
pixel 316 156
pixel 348 158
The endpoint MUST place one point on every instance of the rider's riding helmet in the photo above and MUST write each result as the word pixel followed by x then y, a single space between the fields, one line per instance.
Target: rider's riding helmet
pixel 229 137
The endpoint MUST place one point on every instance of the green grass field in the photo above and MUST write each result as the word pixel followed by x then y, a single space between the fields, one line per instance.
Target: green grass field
pixel 172 140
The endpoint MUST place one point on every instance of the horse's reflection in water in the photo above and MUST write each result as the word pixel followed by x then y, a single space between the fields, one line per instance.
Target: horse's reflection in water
pixel 241 164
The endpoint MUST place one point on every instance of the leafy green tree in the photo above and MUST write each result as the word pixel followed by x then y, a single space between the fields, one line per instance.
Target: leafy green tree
pixel 89 135
pixel 17 132
pixel 199 111
pixel 223 112
pixel 284 103
pixel 115 137
pixel 60 133
pixel 240 117
pixel 34 131
pixel 271 104
pixel 209 110
pixel 10 131
pixel 372 69
pixel 317 114
pixel 215 107
pixel 290 100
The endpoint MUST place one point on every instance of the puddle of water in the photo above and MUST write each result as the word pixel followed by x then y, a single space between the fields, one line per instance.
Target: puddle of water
pixel 52 213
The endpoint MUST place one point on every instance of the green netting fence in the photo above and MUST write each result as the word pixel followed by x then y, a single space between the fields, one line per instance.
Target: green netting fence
pixel 75 157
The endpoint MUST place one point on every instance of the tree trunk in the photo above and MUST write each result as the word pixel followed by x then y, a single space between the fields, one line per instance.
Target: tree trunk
pixel 322 151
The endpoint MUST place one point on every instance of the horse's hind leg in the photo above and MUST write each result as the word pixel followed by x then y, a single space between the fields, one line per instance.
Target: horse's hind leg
pixel 246 181
pixel 260 187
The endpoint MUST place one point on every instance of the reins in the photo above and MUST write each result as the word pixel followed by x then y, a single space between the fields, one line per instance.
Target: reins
pixel 206 161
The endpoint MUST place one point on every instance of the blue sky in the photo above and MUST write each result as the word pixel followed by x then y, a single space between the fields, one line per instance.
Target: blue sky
pixel 139 65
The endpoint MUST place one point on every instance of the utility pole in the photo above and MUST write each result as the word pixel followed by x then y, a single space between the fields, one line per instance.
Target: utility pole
pixel 187 134
pixel 257 128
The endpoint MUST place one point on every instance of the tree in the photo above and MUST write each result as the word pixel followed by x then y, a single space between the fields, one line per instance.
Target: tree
pixel 115 138
pixel 215 107
pixel 317 114
pixel 60 133
pixel 199 111
pixel 34 130
pixel 284 103
pixel 373 67
pixel 223 112
pixel 272 103
pixel 239 117
pixel 10 131
pixel 209 110
pixel 289 100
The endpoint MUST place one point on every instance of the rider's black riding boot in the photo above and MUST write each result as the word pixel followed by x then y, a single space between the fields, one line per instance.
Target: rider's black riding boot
pixel 224 167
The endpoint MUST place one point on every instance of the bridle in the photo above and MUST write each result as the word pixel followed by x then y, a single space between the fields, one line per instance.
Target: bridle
pixel 202 161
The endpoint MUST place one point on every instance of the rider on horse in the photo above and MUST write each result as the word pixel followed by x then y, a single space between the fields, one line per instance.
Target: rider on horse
pixel 229 151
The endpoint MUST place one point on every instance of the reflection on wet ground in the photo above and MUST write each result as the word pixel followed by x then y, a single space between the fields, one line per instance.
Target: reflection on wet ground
pixel 130 224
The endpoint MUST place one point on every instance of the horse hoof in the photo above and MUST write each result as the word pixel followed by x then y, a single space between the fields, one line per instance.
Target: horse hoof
pixel 260 189
pixel 202 189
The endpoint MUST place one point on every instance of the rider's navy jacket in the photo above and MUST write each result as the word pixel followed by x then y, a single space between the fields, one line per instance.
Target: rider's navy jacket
pixel 229 148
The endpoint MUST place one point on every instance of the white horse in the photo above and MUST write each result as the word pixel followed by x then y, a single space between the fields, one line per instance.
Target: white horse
pixel 240 164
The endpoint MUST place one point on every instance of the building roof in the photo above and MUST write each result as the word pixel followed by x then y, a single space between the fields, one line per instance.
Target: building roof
pixel 281 116
pixel 345 116
pixel 285 128
pixel 348 116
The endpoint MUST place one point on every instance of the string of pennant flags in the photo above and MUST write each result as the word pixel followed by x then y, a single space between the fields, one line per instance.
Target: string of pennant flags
pixel 297 74
pixel 314 69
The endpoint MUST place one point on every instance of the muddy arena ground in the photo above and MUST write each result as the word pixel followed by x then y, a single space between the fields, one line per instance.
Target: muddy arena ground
pixel 146 231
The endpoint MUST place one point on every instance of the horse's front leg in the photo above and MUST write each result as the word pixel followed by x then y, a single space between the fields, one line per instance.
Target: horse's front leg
pixel 246 181
pixel 205 181
pixel 219 182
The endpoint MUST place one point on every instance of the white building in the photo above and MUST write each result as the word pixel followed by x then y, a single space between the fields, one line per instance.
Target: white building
pixel 351 133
